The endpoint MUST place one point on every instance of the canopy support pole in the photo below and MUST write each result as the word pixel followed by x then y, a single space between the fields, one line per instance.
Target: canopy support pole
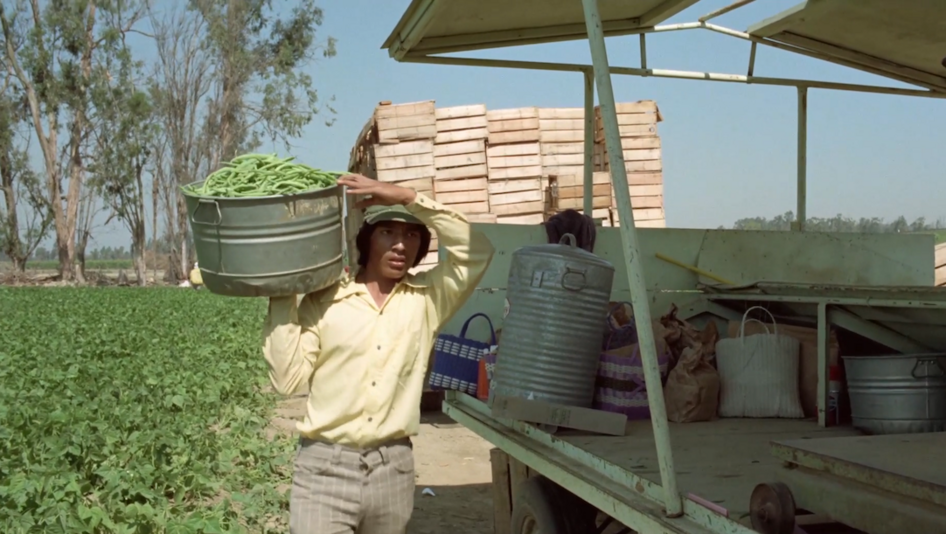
pixel 589 142
pixel 632 257
pixel 802 188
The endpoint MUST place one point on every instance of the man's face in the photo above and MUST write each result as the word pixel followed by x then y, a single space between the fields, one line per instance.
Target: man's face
pixel 394 247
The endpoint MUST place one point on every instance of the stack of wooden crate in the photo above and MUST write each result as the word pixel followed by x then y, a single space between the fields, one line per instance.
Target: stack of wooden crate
pixel 460 161
pixel 637 123
pixel 514 163
pixel 512 166
pixel 562 143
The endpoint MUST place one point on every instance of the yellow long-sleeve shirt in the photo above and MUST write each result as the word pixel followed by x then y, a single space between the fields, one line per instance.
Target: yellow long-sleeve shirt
pixel 364 366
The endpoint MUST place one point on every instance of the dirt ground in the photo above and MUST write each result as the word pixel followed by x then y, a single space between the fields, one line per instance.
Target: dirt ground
pixel 451 461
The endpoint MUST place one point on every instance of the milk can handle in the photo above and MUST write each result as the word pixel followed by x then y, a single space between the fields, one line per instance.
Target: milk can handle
pixel 570 238
pixel 204 201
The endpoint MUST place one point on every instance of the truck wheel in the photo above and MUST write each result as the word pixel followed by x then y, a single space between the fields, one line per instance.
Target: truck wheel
pixel 544 508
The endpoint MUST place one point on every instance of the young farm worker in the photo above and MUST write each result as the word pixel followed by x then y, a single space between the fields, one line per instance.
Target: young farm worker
pixel 359 349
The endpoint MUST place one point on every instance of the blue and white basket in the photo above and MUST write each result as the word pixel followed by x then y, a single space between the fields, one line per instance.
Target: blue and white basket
pixel 457 359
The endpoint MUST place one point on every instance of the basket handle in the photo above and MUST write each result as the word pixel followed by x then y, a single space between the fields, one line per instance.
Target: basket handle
pixel 466 325
pixel 745 317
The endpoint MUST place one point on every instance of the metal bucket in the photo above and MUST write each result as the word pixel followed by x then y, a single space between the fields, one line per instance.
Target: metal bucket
pixel 557 298
pixel 901 394
pixel 268 246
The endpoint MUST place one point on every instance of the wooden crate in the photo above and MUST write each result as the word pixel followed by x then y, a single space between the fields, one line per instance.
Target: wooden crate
pixel 461 123
pixel 411 121
pixel 643 218
pixel 635 119
pixel 939 255
pixel 512 126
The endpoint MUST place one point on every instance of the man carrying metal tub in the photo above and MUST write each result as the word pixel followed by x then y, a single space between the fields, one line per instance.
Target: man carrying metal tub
pixel 360 349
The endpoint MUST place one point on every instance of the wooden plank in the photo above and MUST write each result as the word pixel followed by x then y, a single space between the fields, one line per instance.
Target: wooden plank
pixel 482 218
pixel 460 160
pixel 646 214
pixel 512 114
pixel 462 147
pixel 562 124
pixel 412 173
pixel 408 148
pixel 523 136
pixel 939 276
pixel 562 160
pixel 640 155
pixel 522 208
pixel 425 107
pixel 564 170
pixel 409 121
pixel 641 130
pixel 463 197
pixel 518 473
pixel 518 197
pixel 562 113
pixel 460 135
pixel 578 191
pixel 636 119
pixel 463 123
pixel 578 203
pixel 515 172
pixel 496 187
pixel 644 202
pixel 471 207
pixel 404 162
pixel 939 255
pixel 407 134
pixel 501 162
pixel 513 125
pixel 522 149
pixel 645 178
pixel 472 171
pixel 646 190
pixel 456 112
pixel 556 149
pixel 462 184
pixel 502 497
pixel 572 180
pixel 561 136
pixel 531 218
pixel 641 106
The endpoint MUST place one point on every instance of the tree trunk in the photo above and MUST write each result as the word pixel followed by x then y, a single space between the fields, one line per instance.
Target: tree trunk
pixel 11 245
pixel 154 225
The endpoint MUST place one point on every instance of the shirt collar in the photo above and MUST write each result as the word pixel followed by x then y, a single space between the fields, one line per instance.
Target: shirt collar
pixel 347 287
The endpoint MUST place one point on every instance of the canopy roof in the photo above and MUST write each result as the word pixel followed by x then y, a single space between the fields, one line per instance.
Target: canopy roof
pixel 440 26
pixel 902 39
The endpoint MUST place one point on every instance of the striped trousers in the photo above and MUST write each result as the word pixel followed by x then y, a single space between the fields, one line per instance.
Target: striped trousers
pixel 338 490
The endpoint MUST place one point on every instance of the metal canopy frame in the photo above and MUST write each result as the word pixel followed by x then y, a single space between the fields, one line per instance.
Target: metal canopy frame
pixel 410 43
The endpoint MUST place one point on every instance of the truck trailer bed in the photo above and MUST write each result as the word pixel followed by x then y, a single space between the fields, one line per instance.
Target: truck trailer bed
pixel 719 461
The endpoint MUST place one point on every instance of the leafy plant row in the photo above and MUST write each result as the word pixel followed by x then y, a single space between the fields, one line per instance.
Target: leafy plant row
pixel 136 411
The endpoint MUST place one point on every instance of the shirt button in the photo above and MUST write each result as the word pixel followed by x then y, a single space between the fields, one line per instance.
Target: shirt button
pixel 379 347
pixel 372 383
pixel 369 419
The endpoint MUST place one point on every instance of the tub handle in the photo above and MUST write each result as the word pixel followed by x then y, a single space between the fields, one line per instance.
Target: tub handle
pixel 928 371
pixel 205 201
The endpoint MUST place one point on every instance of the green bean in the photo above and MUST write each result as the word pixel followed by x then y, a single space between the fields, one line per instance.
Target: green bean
pixel 262 175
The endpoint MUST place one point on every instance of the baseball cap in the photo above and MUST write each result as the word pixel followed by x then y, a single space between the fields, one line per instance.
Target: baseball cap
pixel 398 213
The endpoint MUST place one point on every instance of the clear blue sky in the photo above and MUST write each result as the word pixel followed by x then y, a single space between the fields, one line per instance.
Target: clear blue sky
pixel 729 149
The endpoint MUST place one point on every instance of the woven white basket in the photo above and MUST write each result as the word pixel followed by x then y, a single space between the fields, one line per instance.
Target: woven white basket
pixel 758 374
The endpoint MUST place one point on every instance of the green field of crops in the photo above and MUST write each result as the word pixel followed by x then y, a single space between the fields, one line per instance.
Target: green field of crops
pixel 91 265
pixel 136 411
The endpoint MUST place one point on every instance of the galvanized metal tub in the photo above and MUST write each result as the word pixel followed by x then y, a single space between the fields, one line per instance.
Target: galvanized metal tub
pixel 557 299
pixel 899 394
pixel 268 246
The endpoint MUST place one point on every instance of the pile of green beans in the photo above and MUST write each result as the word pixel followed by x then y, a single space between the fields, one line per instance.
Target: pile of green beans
pixel 262 175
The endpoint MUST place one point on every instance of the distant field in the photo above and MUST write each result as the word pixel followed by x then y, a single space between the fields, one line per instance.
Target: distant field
pixel 52 265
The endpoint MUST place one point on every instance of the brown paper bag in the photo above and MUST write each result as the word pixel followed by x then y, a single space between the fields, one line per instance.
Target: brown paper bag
pixel 692 390
pixel 808 357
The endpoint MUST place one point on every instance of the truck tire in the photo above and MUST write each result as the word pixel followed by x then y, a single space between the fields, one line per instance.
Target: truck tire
pixel 542 507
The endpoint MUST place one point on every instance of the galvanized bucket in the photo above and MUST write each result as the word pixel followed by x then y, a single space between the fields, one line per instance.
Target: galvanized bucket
pixel 268 246
pixel 899 394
